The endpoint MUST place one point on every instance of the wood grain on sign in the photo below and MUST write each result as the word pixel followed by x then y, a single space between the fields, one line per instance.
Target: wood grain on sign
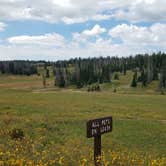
pixel 100 126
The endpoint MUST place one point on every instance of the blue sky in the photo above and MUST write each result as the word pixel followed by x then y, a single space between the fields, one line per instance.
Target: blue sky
pixel 64 29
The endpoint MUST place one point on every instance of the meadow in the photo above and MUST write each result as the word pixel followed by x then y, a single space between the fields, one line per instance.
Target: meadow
pixel 54 120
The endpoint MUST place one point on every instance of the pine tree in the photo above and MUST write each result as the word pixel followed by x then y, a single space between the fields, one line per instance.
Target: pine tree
pixel 44 80
pixel 116 76
pixel 47 73
pixel 78 77
pixel 60 76
pixel 163 76
pixel 149 70
pixel 144 77
pixel 134 81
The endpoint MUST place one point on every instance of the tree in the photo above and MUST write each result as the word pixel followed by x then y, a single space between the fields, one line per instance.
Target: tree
pixel 163 76
pixel 47 73
pixel 149 70
pixel 116 76
pixel 77 73
pixel 44 80
pixel 143 77
pixel 134 81
pixel 61 77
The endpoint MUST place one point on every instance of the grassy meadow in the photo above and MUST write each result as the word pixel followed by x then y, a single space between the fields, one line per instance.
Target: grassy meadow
pixel 53 121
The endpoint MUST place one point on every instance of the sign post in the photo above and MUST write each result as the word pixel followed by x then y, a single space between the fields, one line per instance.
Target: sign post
pixel 95 128
pixel 97 149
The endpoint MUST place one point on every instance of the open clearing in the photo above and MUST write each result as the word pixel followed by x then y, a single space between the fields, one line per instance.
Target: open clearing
pixel 54 123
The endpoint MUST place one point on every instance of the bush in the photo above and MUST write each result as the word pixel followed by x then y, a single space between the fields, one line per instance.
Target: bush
pixel 93 88
pixel 139 79
pixel 134 81
pixel 116 76
pixel 162 92
pixel 17 134
pixel 115 90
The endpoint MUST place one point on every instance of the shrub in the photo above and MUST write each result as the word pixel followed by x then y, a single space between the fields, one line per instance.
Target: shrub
pixel 134 81
pixel 116 76
pixel 95 87
pixel 162 92
pixel 17 134
pixel 115 90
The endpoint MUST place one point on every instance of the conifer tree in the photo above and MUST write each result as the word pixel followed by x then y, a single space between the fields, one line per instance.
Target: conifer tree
pixel 163 75
pixel 134 81
pixel 144 77
pixel 44 80
pixel 47 73
pixel 149 70
pixel 116 76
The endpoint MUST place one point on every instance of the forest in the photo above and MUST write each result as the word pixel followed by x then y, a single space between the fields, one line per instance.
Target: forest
pixel 84 72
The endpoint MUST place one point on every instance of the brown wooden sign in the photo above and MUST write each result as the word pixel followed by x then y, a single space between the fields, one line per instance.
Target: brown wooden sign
pixel 99 126
pixel 95 128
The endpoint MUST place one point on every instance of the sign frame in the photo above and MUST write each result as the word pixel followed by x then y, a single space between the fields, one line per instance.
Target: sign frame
pixel 99 126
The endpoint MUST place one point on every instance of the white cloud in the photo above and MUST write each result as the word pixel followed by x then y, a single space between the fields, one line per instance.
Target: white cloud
pixel 53 39
pixel 135 39
pixel 78 11
pixel 143 10
pixel 99 48
pixel 100 17
pixel 96 17
pixel 132 34
pixel 48 10
pixel 87 34
pixel 68 20
pixel 89 42
pixel 96 30
pixel 2 26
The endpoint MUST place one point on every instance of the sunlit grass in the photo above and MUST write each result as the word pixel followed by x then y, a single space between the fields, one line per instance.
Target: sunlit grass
pixel 54 124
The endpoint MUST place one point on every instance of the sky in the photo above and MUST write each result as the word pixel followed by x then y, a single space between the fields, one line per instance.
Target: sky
pixel 63 29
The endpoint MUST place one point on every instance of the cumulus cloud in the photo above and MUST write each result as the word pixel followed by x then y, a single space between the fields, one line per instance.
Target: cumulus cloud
pixel 143 10
pixel 49 10
pixel 96 30
pixel 99 48
pixel 123 39
pixel 132 34
pixel 53 39
pixel 85 35
pixel 96 17
pixel 2 26
pixel 68 20
pixel 78 11
pixel 135 39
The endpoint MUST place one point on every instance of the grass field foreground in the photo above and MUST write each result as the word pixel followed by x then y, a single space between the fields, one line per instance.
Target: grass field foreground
pixel 54 123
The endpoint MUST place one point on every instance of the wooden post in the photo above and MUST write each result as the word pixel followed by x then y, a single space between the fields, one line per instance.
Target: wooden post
pixel 97 150
pixel 95 128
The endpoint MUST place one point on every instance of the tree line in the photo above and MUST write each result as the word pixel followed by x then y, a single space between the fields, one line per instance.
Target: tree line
pixel 18 67
pixel 87 71
pixel 83 72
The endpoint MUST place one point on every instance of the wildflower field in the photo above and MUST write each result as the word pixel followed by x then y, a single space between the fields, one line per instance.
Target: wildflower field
pixel 52 124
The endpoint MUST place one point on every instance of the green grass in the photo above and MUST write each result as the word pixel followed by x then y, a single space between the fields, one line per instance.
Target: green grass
pixel 139 117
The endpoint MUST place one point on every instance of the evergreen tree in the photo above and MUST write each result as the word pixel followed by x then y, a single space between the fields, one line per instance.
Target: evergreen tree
pixel 134 81
pixel 47 73
pixel 116 76
pixel 61 77
pixel 163 75
pixel 144 77
pixel 44 80
pixel 149 70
